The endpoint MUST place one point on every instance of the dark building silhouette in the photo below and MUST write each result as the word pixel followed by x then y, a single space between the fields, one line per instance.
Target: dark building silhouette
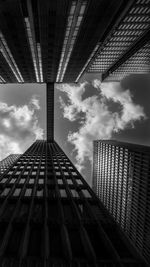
pixel 46 41
pixel 121 179
pixel 49 215
pixel 6 163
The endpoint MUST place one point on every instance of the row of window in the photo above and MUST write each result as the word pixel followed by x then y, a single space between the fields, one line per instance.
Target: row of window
pixel 50 172
pixel 51 192
pixel 40 181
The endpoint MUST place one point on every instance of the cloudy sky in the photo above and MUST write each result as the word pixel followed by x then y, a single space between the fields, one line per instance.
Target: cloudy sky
pixel 22 117
pixel 84 112
pixel 94 110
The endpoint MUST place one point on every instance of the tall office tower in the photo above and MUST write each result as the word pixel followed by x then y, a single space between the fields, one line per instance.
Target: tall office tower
pixel 7 162
pixel 121 179
pixel 49 215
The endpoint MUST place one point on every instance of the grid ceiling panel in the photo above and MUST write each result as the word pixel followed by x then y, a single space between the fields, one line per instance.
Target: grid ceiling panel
pixel 139 63
pixel 133 26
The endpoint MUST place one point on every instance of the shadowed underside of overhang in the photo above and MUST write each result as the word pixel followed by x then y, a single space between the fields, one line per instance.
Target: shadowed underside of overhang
pixel 57 41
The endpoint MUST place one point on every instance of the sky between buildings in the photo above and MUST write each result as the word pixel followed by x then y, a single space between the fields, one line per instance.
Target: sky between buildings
pixel 84 112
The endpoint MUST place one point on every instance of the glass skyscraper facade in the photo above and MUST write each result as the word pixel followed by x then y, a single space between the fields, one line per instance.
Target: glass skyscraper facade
pixel 121 176
pixel 7 162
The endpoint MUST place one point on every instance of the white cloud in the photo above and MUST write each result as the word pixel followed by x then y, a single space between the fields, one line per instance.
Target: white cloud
pixel 19 127
pixel 130 111
pixel 8 146
pixel 34 102
pixel 6 123
pixel 74 93
pixel 99 122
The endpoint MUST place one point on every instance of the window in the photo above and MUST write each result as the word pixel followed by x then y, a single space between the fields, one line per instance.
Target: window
pixel 39 193
pixel 31 181
pixel 69 181
pixel 5 192
pixel 17 192
pixel 60 181
pixel 70 167
pixel 63 168
pixel 28 192
pixel 12 181
pixel 3 180
pixel 21 167
pixel 74 193
pixel 86 193
pixel 79 182
pixel 21 181
pixel 41 181
pixel 63 193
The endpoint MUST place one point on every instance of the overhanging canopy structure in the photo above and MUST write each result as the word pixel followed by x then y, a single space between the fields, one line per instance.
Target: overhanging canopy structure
pixel 57 41
pixel 126 48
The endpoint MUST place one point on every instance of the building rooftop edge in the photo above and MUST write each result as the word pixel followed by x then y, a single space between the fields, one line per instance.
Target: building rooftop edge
pixel 134 146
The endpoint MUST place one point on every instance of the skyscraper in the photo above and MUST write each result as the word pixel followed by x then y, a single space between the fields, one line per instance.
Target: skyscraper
pixel 50 40
pixel 49 215
pixel 7 162
pixel 121 175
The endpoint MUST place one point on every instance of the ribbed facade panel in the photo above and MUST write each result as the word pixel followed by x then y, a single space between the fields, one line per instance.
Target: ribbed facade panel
pixel 123 37
pixel 139 63
pixel 121 174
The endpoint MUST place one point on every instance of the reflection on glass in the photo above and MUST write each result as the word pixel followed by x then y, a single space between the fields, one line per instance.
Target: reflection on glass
pixel 63 193
pixel 74 193
pixel 5 192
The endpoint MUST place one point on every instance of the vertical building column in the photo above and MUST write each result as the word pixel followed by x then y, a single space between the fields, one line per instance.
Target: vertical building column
pixel 50 111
